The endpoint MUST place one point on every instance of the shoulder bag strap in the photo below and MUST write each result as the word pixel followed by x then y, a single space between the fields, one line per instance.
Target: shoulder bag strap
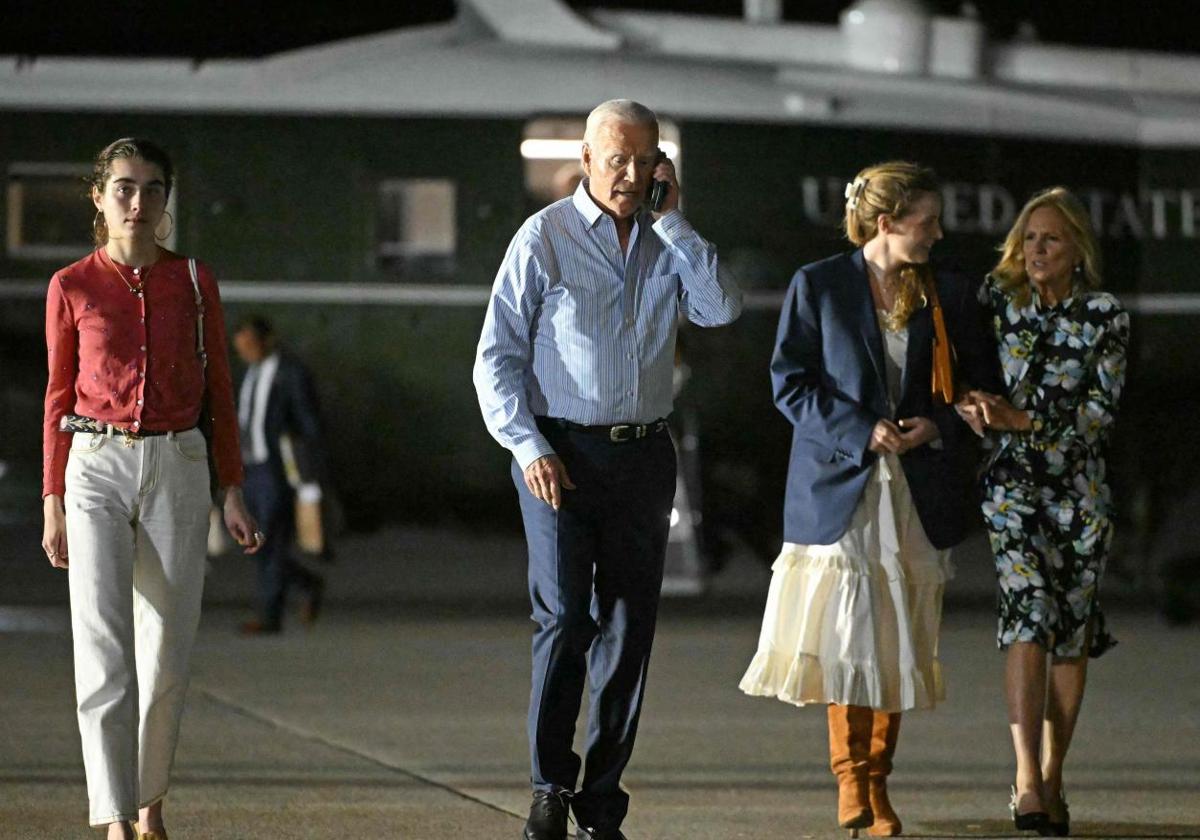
pixel 200 351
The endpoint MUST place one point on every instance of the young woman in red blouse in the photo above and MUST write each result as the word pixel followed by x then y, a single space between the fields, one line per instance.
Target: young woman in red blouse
pixel 134 356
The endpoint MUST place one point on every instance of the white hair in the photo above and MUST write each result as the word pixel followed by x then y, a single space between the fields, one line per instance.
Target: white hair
pixel 624 111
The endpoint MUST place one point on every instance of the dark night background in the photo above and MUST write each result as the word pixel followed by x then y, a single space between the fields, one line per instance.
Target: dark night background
pixel 229 29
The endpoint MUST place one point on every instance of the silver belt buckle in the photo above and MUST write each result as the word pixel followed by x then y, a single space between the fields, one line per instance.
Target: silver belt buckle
pixel 615 432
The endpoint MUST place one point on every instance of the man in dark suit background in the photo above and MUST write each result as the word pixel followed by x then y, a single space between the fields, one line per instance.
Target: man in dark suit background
pixel 280 428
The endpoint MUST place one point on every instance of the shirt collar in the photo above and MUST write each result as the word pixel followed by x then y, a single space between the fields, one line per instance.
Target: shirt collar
pixel 590 210
pixel 267 361
pixel 587 207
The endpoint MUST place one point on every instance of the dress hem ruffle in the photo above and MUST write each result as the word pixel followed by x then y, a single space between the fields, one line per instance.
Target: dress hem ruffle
pixel 804 679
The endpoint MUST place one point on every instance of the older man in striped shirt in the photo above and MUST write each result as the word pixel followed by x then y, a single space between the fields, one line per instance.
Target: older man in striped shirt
pixel 574 373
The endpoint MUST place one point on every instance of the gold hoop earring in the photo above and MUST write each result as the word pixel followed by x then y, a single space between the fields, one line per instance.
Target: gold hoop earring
pixel 99 228
pixel 166 235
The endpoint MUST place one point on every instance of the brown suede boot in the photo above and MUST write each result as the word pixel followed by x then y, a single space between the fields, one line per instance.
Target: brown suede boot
pixel 884 732
pixel 849 749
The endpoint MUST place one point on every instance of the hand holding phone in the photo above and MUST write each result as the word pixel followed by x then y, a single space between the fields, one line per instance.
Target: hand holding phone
pixel 656 191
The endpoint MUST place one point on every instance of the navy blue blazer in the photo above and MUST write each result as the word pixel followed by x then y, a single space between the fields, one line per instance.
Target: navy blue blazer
pixel 292 409
pixel 828 377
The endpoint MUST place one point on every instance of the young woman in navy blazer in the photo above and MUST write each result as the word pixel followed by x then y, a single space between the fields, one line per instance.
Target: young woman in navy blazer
pixel 879 481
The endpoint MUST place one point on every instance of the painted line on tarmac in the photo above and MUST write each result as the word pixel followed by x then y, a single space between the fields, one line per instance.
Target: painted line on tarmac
pixel 292 729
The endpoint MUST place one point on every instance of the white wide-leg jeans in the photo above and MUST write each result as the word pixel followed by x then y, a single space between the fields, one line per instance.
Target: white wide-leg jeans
pixel 137 526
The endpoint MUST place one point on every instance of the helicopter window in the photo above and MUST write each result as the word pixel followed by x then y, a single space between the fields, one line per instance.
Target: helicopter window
pixel 416 230
pixel 48 214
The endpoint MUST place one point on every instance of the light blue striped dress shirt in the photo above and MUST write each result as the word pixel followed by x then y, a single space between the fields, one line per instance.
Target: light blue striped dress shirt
pixel 577 330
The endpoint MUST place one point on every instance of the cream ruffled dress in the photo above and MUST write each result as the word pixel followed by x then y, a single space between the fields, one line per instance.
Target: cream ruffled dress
pixel 857 622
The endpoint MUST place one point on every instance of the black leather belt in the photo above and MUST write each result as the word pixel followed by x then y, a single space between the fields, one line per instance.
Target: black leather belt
pixel 616 433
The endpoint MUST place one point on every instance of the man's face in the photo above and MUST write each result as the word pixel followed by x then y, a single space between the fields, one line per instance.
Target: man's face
pixel 250 348
pixel 619 161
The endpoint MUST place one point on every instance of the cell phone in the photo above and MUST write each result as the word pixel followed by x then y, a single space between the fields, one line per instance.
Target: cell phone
pixel 656 192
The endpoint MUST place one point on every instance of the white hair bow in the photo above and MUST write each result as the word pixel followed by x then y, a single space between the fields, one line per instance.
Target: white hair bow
pixel 854 191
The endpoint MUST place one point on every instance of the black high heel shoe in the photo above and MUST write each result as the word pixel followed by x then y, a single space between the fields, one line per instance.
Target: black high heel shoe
pixel 1033 821
pixel 1059 829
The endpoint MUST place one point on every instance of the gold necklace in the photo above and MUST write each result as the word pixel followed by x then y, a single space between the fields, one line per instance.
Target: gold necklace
pixel 885 288
pixel 137 288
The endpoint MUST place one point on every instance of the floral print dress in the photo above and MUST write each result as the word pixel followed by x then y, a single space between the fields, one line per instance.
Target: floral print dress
pixel 1047 501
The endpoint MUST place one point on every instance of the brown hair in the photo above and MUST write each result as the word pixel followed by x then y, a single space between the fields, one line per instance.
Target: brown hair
pixel 1010 274
pixel 126 147
pixel 890 189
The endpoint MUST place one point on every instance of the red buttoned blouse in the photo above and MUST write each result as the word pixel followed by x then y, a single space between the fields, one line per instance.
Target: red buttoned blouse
pixel 131 360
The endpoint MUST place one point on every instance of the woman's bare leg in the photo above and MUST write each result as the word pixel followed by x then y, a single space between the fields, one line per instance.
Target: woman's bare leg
pixel 1025 690
pixel 120 830
pixel 1067 680
pixel 150 818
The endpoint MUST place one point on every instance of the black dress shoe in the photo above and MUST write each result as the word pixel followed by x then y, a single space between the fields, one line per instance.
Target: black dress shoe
pixel 1032 821
pixel 254 627
pixel 585 833
pixel 310 610
pixel 547 816
pixel 1061 828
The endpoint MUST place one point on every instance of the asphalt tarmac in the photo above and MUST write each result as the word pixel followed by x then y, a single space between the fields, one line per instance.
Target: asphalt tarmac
pixel 401 714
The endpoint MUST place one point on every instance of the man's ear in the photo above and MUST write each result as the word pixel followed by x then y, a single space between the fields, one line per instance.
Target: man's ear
pixel 586 160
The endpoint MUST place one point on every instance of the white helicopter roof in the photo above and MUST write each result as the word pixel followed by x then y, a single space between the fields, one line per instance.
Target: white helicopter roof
pixel 887 64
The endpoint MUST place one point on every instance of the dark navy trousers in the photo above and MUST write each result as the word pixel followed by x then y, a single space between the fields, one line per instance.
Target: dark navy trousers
pixel 272 503
pixel 595 572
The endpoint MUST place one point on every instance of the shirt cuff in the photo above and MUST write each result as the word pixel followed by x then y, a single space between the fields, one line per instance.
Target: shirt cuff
pixel 672 226
pixel 530 449
pixel 309 492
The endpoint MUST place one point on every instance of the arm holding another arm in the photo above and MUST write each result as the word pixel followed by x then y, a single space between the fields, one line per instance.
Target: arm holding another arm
pixel 1095 409
pixel 977 359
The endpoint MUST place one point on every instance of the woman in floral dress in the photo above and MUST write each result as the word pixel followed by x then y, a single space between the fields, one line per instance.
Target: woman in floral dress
pixel 1062 345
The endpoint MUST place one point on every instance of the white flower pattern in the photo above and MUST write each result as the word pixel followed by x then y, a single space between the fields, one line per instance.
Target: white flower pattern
pixel 1047 499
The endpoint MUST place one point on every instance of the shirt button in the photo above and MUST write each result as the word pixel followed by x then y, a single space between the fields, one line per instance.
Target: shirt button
pixel 140 402
pixel 136 423
pixel 143 348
